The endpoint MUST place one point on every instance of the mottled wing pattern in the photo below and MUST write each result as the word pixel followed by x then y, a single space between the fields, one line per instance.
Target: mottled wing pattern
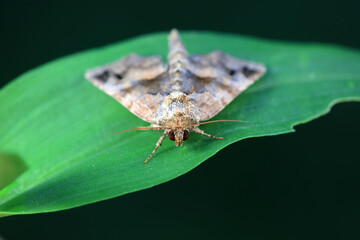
pixel 134 81
pixel 217 78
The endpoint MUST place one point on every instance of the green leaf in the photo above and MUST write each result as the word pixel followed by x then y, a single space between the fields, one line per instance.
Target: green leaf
pixel 54 154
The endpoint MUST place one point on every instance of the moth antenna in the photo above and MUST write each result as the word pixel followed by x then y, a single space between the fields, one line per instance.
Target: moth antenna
pixel 138 128
pixel 215 121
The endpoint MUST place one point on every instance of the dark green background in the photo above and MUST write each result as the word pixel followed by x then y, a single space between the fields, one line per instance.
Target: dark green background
pixel 303 185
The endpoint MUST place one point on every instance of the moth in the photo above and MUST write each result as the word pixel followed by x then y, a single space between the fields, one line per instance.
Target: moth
pixel 180 95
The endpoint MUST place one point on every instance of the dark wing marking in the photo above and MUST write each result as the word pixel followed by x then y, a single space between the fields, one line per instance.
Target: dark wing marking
pixel 217 78
pixel 134 81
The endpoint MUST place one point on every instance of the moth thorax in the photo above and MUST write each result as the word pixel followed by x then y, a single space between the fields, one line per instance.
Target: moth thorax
pixel 176 122
pixel 177 110
pixel 177 97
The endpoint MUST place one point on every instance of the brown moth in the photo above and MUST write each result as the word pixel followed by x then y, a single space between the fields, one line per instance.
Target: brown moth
pixel 179 95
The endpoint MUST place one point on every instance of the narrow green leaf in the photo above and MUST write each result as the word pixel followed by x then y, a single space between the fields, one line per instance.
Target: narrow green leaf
pixel 53 121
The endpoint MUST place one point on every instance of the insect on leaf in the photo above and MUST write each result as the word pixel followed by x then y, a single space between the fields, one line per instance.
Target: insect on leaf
pixel 54 122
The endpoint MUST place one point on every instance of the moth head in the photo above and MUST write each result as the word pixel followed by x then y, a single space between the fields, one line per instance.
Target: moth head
pixel 178 135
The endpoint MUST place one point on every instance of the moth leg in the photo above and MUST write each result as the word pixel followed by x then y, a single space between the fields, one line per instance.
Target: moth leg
pixel 158 144
pixel 201 132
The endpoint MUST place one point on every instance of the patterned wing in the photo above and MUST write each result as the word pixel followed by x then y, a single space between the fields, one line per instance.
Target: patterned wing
pixel 217 78
pixel 134 81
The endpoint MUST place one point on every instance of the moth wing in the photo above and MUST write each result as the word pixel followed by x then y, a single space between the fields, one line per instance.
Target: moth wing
pixel 134 81
pixel 218 78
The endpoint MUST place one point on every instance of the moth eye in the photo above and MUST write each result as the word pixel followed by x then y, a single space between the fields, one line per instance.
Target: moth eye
pixel 186 135
pixel 232 72
pixel 119 76
pixel 171 135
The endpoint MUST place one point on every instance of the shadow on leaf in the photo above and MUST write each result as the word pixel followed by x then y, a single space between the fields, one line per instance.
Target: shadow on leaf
pixel 11 167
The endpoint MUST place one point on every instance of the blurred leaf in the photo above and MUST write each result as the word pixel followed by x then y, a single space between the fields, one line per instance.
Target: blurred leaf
pixel 55 120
